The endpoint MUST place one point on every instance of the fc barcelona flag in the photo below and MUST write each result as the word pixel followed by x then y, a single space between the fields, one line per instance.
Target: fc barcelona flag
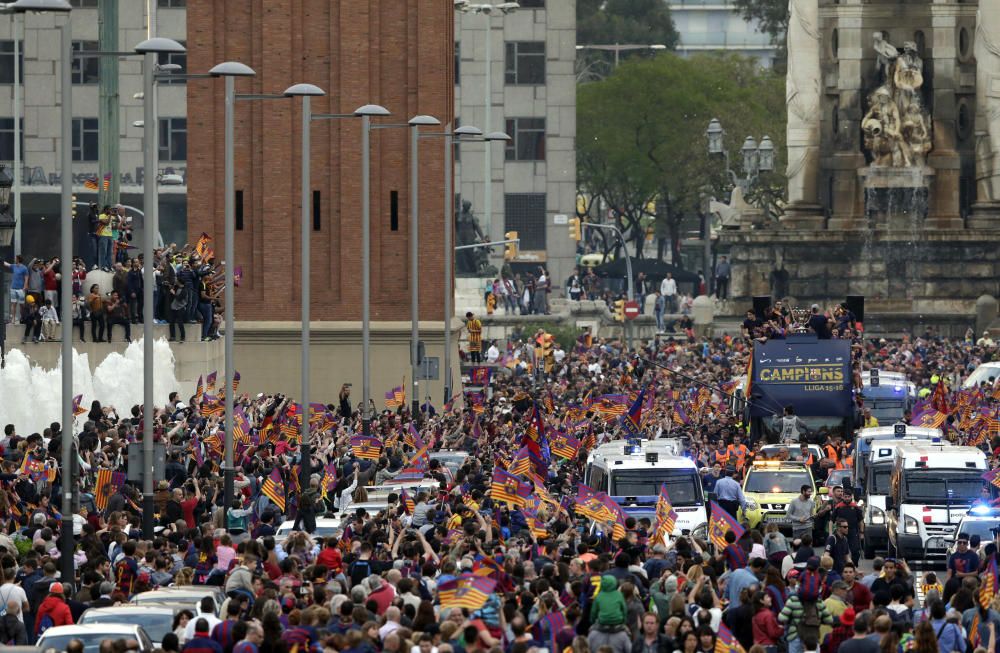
pixel 274 489
pixel 992 477
pixel 467 591
pixel 725 642
pixel 407 501
pixel 108 482
pixel 990 584
pixel 509 488
pixel 666 516
pixel 367 447
pixel 480 376
pixel 632 420
pixel 77 408
pixel 590 505
pixel 241 426
pixel 719 522
pixel 565 446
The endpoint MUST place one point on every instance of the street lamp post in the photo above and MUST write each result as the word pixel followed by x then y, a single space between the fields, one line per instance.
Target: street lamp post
pixel 230 70
pixel 756 158
pixel 306 92
pixel 618 48
pixel 8 230
pixel 66 262
pixel 149 49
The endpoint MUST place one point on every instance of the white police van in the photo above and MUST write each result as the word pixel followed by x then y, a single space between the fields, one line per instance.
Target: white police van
pixel 874 486
pixel 933 486
pixel 866 439
pixel 631 472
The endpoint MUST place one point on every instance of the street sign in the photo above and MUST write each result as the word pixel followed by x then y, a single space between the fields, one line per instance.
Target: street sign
pixel 429 369
pixel 631 310
pixel 560 218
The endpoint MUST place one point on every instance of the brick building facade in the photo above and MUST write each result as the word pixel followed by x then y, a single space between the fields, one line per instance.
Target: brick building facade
pixel 397 53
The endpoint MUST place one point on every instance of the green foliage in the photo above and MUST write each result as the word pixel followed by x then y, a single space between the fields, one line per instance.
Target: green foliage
pixel 640 134
pixel 770 15
pixel 564 335
pixel 606 22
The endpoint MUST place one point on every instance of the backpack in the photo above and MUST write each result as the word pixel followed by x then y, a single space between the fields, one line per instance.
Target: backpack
pixel 808 627
pixel 45 623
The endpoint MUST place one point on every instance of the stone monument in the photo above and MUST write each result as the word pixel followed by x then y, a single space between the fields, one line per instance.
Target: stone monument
pixel 471 262
pixel 893 160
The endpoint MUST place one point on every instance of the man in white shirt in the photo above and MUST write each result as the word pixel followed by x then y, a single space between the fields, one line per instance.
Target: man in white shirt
pixel 492 354
pixel 206 611
pixel 11 592
pixel 668 288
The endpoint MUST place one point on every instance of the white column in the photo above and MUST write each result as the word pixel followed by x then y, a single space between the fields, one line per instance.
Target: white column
pixel 802 95
pixel 987 53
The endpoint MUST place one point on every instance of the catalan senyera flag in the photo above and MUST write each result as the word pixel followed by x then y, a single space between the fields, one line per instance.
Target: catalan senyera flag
pixel 329 479
pixel 720 521
pixel 666 516
pixel 108 482
pixel 395 398
pixel 204 246
pixel 107 181
pixel 508 487
pixel 90 183
pixel 199 391
pixel 367 447
pixel 274 489
pixel 77 408
pixel 990 584
pixel 210 381
pixel 407 501
pixel 631 421
pixel 466 591
pixel 725 642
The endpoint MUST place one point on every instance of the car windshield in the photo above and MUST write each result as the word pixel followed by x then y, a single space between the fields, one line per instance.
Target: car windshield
pixel 887 411
pixel 794 453
pixel 979 527
pixel 879 478
pixel 91 641
pixel 156 625
pixel 939 486
pixel 775 481
pixel 684 488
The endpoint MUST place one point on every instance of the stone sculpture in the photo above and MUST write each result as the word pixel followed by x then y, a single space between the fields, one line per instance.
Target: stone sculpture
pixel 471 262
pixel 897 127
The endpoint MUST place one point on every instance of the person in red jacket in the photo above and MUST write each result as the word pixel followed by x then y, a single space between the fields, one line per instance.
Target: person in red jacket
pixel 331 557
pixel 54 607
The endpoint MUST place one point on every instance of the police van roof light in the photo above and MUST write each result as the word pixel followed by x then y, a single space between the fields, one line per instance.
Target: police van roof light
pixel 981 510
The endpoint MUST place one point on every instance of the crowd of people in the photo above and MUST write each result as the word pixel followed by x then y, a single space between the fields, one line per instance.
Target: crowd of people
pixel 463 564
pixel 187 290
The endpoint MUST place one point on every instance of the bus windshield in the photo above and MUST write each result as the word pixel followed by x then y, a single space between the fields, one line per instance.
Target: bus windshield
pixel 941 486
pixel 818 429
pixel 879 477
pixel 684 488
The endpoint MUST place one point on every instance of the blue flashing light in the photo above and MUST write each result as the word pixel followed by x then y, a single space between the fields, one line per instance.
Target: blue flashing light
pixel 981 510
pixel 897 389
pixel 935 440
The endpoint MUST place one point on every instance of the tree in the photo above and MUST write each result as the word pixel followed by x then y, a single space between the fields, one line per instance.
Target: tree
pixel 770 15
pixel 645 22
pixel 641 143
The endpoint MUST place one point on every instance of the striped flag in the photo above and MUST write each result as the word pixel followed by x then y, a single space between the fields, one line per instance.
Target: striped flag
pixel 553 624
pixel 367 447
pixel 466 591
pixel 590 505
pixel 666 516
pixel 508 487
pixel 77 408
pixel 990 584
pixel 241 426
pixel 720 521
pixel 108 482
pixel 632 420
pixel 725 642
pixel 32 467
pixel 992 477
pixel 565 446
pixel 407 501
pixel 210 379
pixel 90 183
pixel 329 479
pixel 199 391
pixel 204 246
pixel 274 489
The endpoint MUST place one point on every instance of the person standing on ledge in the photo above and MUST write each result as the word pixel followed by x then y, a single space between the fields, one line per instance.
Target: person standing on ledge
pixel 722 274
pixel 475 328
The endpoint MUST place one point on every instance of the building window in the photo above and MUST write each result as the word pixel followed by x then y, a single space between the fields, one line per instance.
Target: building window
pixel 173 139
pixel 532 4
pixel 178 58
pixel 458 63
pixel 7 138
pixel 7 62
pixel 527 139
pixel 525 214
pixel 171 4
pixel 525 62
pixel 86 67
pixel 85 139
pixel 83 4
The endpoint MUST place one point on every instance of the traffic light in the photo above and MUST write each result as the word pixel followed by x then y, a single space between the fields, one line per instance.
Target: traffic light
pixel 74 206
pixel 574 229
pixel 510 249
pixel 620 310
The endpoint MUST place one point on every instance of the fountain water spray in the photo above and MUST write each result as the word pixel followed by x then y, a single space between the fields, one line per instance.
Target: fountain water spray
pixel 30 396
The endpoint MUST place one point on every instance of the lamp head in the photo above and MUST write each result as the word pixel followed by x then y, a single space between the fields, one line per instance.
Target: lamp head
pixel 468 130
pixel 372 110
pixel 423 120
pixel 714 134
pixel 231 69
pixel 508 7
pixel 300 90
pixel 41 5
pixel 496 136
pixel 159 44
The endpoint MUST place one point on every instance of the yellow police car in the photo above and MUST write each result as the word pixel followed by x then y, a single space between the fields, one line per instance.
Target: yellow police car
pixel 769 486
